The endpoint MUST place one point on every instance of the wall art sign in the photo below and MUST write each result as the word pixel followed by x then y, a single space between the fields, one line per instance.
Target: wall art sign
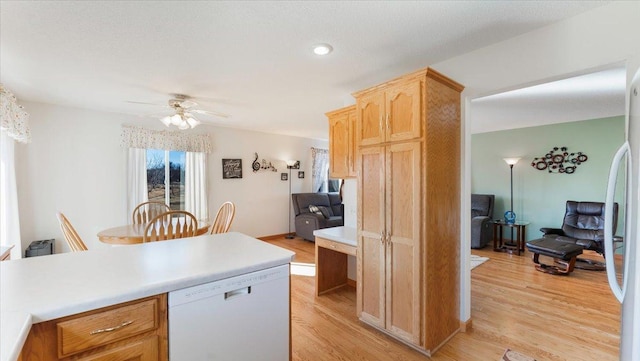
pixel 231 168
pixel 256 166
pixel 559 160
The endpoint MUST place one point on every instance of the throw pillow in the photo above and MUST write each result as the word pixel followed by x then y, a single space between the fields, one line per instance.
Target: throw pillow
pixel 325 211
pixel 315 209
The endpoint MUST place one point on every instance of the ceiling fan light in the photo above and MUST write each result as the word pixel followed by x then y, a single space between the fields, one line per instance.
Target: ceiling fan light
pixel 193 122
pixel 166 120
pixel 176 119
pixel 183 126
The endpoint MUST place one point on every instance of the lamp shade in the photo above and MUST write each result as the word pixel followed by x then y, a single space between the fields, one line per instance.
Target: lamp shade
pixel 291 163
pixel 511 161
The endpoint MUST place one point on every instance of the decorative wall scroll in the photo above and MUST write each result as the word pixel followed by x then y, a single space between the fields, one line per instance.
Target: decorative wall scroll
pixel 256 166
pixel 559 160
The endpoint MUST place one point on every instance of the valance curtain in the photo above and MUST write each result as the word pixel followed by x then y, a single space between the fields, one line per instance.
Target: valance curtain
pixel 134 137
pixel 14 120
pixel 320 170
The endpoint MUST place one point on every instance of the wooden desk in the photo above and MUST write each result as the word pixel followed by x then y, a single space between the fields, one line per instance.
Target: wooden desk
pixel 333 246
pixel 134 233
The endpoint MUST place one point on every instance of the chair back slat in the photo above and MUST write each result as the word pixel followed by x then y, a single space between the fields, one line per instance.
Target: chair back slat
pixel 70 235
pixel 171 225
pixel 224 218
pixel 146 211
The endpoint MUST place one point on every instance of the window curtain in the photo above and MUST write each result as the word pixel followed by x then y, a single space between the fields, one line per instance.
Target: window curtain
pixel 9 218
pixel 320 171
pixel 195 185
pixel 136 179
pixel 14 127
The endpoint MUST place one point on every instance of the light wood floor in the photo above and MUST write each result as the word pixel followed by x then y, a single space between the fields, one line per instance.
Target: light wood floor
pixel 512 306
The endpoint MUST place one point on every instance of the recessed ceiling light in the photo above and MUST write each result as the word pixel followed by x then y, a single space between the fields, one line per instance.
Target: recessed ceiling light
pixel 322 49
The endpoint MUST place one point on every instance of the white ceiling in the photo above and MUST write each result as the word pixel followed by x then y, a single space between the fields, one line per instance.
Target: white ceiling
pixel 252 60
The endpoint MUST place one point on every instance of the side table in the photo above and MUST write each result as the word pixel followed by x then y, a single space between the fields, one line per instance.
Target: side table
pixel 517 245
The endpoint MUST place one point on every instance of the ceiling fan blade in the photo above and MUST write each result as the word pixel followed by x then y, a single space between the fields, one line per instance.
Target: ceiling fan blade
pixel 145 103
pixel 209 112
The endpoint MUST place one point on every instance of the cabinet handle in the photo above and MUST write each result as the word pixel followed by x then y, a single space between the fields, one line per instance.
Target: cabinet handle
pixel 382 237
pixel 111 329
pixel 380 124
pixel 386 121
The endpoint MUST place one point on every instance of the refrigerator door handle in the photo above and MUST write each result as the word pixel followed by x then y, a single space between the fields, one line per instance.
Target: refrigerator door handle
pixel 618 291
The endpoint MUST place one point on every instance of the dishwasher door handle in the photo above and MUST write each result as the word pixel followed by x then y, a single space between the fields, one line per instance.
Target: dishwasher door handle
pixel 237 293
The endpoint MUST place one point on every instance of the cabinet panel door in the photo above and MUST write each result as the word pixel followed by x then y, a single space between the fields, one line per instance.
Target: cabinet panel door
pixel 371 250
pixel 403 107
pixel 403 201
pixel 370 119
pixel 339 146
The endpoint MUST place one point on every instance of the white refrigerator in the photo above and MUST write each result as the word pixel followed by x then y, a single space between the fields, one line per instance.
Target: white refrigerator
pixel 627 288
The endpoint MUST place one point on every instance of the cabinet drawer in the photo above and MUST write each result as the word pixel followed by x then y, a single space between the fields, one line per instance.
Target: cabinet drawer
pixel 102 327
pixel 336 246
pixel 144 350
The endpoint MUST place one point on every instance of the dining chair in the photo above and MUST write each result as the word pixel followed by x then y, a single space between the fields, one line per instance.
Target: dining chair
pixel 224 217
pixel 145 211
pixel 70 234
pixel 171 225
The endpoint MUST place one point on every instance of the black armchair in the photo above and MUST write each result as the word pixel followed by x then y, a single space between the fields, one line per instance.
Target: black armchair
pixel 481 215
pixel 583 225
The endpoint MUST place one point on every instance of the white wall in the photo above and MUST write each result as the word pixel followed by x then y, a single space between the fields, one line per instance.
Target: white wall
pixel 592 40
pixel 75 164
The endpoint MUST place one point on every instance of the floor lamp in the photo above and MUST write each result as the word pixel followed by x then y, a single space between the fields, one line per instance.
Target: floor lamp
pixel 510 216
pixel 291 164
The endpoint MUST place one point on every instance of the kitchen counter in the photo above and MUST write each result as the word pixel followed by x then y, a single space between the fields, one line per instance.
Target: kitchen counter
pixel 43 288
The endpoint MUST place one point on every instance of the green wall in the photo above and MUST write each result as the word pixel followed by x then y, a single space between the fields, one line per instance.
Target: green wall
pixel 539 196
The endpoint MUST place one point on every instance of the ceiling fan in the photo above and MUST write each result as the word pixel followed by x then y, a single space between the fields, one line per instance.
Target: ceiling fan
pixel 184 109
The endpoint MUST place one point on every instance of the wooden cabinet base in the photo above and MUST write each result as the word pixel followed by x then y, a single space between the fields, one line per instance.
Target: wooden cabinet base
pixel 408 343
pixel 144 337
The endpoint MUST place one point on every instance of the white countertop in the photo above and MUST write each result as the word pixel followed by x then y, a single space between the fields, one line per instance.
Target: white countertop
pixel 346 235
pixel 43 288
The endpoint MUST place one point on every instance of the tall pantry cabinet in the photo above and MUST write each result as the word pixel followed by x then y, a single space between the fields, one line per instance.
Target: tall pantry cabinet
pixel 408 136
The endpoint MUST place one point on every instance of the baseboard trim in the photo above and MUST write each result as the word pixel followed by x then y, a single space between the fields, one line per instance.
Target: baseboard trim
pixel 275 236
pixel 351 283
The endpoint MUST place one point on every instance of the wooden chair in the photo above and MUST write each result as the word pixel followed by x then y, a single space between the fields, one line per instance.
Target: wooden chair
pixel 70 234
pixel 171 225
pixel 144 212
pixel 224 217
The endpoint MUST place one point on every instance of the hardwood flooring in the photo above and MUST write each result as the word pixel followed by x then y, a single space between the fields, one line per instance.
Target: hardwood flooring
pixel 512 306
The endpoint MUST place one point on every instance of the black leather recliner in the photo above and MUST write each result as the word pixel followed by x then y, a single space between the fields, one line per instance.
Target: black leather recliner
pixel 481 215
pixel 583 225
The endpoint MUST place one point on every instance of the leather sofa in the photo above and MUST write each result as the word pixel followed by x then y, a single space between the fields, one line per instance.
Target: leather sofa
pixel 329 212
pixel 481 216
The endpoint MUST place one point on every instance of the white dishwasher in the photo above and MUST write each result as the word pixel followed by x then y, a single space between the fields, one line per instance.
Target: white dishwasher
pixel 241 318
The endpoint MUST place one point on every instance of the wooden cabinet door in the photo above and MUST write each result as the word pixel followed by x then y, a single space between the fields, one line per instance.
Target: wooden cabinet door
pixel 371 249
pixel 143 350
pixel 370 115
pixel 339 145
pixel 403 108
pixel 403 205
pixel 353 145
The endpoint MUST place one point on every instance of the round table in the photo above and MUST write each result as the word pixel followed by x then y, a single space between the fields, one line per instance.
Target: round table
pixel 134 233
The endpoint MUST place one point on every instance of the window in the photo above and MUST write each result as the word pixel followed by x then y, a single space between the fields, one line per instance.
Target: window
pixel 166 177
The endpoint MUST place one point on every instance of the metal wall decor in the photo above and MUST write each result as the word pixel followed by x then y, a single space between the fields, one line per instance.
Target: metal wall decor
pixel 559 160
pixel 256 166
